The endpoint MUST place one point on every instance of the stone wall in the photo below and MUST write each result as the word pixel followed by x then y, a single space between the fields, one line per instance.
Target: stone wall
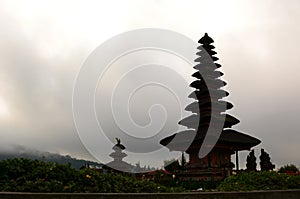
pixel 290 194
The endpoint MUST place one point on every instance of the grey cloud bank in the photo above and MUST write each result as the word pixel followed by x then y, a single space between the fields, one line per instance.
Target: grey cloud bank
pixel 42 49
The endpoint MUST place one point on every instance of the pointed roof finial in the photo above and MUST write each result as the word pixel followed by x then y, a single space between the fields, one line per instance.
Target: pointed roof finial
pixel 118 141
pixel 119 145
pixel 205 40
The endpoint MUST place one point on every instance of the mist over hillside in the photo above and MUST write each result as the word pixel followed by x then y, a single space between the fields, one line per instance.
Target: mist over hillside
pixel 22 152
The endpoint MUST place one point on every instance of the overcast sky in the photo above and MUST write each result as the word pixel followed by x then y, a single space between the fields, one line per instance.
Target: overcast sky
pixel 44 43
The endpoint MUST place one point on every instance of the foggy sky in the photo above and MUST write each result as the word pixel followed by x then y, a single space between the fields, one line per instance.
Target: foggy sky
pixel 43 45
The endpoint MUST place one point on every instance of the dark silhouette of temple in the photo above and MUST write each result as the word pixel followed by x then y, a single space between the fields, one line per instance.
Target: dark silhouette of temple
pixel 208 93
pixel 118 165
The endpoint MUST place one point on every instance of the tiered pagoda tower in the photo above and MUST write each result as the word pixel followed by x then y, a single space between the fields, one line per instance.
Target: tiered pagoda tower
pixel 118 165
pixel 208 111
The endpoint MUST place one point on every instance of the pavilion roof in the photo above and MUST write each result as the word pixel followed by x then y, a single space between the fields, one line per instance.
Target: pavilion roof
pixel 231 138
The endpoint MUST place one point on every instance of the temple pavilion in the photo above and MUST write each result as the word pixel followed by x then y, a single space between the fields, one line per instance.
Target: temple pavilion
pixel 208 93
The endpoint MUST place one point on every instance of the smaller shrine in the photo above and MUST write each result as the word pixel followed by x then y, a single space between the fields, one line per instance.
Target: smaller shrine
pixel 118 165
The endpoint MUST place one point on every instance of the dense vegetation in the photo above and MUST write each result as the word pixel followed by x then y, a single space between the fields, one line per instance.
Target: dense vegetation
pixel 264 180
pixel 290 169
pixel 25 175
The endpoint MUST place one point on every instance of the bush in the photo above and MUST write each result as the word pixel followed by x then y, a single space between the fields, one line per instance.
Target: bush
pixel 264 180
pixel 24 175
pixel 288 169
pixel 204 184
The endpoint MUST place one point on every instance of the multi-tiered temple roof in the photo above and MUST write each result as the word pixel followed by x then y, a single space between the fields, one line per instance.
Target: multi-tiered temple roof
pixel 209 108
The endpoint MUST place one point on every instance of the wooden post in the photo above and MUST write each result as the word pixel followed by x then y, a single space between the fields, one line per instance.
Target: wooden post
pixel 237 160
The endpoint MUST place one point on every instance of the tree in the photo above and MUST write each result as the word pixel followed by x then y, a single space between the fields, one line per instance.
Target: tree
pixel 183 161
pixel 172 165
pixel 265 161
pixel 251 161
pixel 288 169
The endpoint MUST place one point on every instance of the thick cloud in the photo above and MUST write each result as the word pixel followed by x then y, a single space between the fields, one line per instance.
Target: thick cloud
pixel 43 46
